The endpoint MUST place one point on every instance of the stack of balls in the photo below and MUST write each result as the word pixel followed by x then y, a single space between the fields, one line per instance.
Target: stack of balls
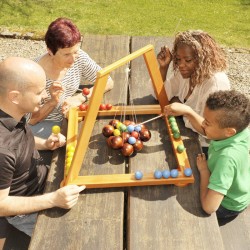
pixel 126 136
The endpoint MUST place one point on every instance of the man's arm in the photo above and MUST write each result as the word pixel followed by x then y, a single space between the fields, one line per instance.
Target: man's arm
pixel 65 197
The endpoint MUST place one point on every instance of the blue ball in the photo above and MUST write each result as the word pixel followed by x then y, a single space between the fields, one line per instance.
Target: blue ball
pixel 131 140
pixel 158 174
pixel 138 175
pixel 138 128
pixel 188 172
pixel 130 128
pixel 174 173
pixel 166 174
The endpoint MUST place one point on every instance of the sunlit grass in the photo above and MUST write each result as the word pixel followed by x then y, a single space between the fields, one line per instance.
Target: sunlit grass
pixel 226 20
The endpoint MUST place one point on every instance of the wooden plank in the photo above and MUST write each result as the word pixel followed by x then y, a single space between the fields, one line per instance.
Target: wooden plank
pixel 236 232
pixel 96 222
pixel 165 217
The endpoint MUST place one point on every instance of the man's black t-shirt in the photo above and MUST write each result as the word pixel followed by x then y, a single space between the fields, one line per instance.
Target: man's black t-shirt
pixel 20 168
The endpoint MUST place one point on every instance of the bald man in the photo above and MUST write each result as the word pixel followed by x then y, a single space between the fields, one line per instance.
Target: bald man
pixel 22 175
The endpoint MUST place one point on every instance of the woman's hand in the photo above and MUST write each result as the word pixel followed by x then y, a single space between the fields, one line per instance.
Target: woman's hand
pixel 164 57
pixel 56 90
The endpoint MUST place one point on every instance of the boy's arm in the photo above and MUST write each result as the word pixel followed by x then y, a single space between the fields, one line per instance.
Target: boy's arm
pixel 177 109
pixel 210 199
pixel 65 197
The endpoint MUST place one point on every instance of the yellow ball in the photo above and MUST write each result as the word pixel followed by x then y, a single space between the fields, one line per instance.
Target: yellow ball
pixel 117 132
pixel 56 129
pixel 70 148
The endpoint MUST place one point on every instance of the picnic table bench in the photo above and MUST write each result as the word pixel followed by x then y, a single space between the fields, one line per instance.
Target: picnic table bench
pixel 150 217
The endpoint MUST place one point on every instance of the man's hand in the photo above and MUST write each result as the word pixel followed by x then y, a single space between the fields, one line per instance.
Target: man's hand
pixel 55 141
pixel 66 197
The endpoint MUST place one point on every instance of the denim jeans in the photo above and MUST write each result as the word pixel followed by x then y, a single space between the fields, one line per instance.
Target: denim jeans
pixel 24 223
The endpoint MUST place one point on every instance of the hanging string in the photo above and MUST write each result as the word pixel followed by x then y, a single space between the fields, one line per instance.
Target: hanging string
pixel 131 103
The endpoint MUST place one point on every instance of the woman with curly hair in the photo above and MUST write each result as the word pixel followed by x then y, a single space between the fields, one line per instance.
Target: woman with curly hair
pixel 199 69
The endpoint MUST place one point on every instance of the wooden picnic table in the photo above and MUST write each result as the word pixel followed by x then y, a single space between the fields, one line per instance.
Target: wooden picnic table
pixel 152 217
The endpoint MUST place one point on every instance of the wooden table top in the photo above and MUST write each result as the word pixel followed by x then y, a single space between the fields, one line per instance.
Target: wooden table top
pixel 154 217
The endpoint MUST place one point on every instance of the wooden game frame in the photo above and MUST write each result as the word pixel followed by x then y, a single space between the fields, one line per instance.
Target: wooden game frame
pixel 81 142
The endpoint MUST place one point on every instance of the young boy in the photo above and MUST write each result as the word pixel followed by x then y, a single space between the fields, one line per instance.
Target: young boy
pixel 225 177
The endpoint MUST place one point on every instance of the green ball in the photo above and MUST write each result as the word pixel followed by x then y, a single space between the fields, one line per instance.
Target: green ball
pixel 171 118
pixel 180 148
pixel 175 129
pixel 176 135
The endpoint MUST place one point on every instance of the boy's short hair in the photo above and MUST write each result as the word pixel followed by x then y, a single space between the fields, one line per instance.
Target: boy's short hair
pixel 234 107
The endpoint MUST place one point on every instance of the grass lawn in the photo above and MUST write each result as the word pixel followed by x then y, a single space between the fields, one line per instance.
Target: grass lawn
pixel 228 21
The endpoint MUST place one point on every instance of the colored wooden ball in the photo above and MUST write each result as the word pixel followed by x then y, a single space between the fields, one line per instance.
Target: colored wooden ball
pixel 138 175
pixel 114 123
pixel 102 106
pixel 171 118
pixel 116 142
pixel 109 140
pixel 109 106
pixel 145 135
pixel 83 107
pixel 122 127
pixel 85 91
pixel 56 129
pixel 138 128
pixel 108 130
pixel 174 173
pixel 125 136
pixel 130 128
pixel 70 148
pixel 117 132
pixel 180 148
pixel 166 173
pixel 135 134
pixel 188 172
pixel 176 135
pixel 175 129
pixel 126 122
pixel 127 149
pixel 131 140
pixel 138 145
pixel 157 174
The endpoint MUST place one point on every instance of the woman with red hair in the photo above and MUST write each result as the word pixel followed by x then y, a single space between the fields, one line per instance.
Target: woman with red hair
pixel 65 65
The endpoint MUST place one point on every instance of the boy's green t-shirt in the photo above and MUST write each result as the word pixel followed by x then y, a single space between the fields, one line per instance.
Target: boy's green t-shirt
pixel 229 164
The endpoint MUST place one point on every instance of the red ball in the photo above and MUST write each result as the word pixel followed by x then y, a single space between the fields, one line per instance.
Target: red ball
pixel 85 91
pixel 116 142
pixel 127 149
pixel 109 140
pixel 109 106
pixel 114 122
pixel 102 107
pixel 126 122
pixel 108 130
pixel 135 134
pixel 83 107
pixel 145 135
pixel 125 136
pixel 138 145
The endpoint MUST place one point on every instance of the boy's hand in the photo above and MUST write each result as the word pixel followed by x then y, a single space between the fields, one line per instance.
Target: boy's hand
pixel 201 162
pixel 164 57
pixel 176 109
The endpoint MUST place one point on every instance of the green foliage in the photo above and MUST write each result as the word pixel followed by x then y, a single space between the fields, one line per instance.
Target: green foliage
pixel 226 20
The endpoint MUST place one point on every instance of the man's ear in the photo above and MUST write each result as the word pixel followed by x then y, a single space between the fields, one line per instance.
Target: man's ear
pixel 14 96
pixel 230 132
